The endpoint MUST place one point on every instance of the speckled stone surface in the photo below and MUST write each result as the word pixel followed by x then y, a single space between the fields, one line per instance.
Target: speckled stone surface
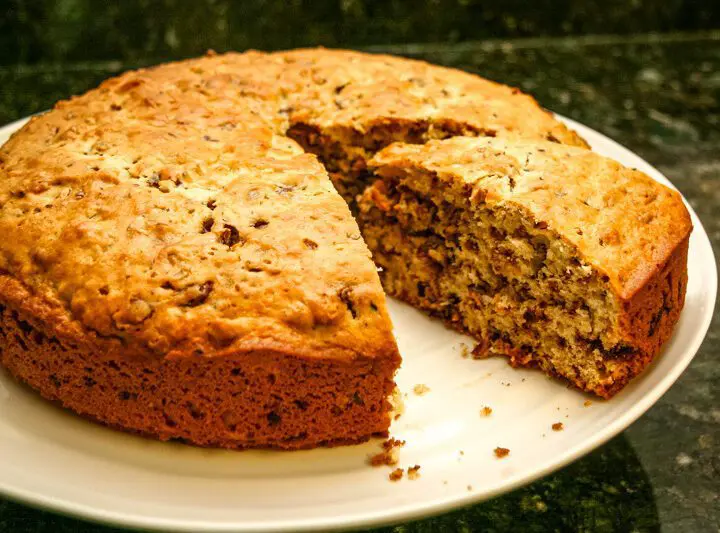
pixel 661 98
pixel 72 30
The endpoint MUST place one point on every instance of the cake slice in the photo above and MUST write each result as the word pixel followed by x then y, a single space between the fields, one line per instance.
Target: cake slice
pixel 552 255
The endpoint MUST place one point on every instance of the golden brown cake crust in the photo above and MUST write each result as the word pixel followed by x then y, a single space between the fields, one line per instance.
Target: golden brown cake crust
pixel 166 216
pixel 233 249
pixel 343 89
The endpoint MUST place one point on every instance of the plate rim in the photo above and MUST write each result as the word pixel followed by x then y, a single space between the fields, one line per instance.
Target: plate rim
pixel 413 511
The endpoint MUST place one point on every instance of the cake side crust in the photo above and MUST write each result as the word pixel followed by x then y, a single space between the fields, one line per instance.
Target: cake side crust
pixel 250 399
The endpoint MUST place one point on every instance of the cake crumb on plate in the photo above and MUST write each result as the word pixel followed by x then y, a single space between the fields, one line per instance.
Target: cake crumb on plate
pixel 389 455
pixel 387 458
pixel 486 411
pixel 413 472
pixel 421 389
pixel 557 426
pixel 501 452
pixel 396 474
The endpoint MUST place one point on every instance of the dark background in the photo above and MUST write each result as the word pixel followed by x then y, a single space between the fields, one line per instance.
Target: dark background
pixel 644 72
pixel 80 30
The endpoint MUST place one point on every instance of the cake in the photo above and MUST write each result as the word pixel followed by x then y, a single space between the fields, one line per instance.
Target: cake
pixel 549 254
pixel 344 107
pixel 179 256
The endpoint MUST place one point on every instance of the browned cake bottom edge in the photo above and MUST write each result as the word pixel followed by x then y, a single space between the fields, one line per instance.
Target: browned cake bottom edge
pixel 257 399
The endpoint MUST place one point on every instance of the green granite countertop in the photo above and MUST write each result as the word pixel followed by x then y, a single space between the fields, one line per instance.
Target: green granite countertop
pixel 660 96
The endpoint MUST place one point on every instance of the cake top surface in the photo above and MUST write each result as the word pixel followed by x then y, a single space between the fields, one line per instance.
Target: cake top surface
pixel 167 210
pixel 336 88
pixel 622 221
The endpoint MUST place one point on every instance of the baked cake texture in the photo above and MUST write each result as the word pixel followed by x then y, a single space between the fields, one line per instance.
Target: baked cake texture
pixel 184 280
pixel 175 263
pixel 549 254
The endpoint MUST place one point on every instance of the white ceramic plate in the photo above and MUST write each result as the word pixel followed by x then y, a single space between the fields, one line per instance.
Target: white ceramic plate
pixel 53 459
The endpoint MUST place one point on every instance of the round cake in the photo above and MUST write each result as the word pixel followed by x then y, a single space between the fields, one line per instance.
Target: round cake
pixel 180 257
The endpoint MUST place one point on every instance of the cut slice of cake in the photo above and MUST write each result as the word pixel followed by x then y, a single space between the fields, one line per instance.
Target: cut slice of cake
pixel 344 106
pixel 549 254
